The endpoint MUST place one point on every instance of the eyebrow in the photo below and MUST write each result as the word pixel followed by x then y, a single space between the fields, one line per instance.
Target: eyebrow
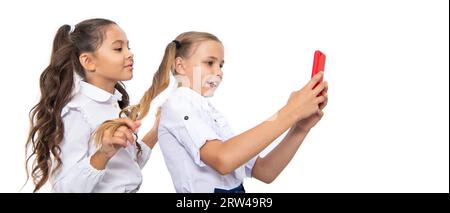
pixel 214 58
pixel 120 41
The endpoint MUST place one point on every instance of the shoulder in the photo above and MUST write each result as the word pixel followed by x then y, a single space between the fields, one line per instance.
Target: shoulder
pixel 78 108
pixel 180 106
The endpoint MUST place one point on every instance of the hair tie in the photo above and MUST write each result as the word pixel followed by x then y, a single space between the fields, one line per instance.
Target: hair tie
pixel 177 44
pixel 72 28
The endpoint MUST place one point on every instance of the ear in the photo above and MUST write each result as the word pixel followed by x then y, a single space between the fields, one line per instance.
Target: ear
pixel 87 61
pixel 179 66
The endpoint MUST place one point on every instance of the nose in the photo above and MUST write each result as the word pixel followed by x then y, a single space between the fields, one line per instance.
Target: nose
pixel 219 73
pixel 130 55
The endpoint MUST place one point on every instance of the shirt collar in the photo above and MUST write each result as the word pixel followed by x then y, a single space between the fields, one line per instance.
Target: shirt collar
pixel 98 94
pixel 195 98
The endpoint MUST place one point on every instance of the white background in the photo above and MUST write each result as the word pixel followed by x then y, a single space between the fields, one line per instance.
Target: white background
pixel 386 125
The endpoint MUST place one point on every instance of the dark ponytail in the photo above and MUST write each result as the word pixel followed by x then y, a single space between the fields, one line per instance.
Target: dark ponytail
pixel 56 86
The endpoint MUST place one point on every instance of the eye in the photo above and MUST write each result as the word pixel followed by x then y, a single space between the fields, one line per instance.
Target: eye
pixel 118 49
pixel 221 66
pixel 210 63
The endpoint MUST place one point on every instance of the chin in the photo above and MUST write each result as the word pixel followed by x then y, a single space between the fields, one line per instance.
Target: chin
pixel 208 93
pixel 127 77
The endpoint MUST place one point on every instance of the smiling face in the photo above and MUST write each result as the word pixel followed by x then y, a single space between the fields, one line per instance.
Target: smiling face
pixel 111 62
pixel 203 68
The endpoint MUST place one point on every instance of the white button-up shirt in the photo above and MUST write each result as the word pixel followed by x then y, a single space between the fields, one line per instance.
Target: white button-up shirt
pixel 188 120
pixel 89 108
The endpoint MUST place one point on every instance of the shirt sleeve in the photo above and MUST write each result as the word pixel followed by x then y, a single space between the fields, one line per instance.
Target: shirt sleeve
pixel 186 125
pixel 76 174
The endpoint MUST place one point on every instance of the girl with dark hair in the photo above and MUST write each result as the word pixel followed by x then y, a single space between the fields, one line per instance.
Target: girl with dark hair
pixel 64 121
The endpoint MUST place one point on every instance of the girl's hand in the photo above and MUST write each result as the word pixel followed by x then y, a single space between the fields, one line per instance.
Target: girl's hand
pixel 121 138
pixel 308 123
pixel 306 101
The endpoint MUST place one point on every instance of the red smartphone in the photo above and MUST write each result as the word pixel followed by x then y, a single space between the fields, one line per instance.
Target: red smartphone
pixel 318 65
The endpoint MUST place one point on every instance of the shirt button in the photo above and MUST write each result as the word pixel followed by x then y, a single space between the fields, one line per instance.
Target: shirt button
pixel 186 117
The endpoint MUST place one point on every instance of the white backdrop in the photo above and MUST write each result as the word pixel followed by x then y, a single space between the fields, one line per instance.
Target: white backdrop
pixel 386 125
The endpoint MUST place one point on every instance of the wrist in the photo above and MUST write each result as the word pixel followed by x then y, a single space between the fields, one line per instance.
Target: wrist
pixel 300 129
pixel 99 160
pixel 290 113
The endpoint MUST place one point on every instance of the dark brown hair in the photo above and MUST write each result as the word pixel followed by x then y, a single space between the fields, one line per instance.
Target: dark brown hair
pixel 56 86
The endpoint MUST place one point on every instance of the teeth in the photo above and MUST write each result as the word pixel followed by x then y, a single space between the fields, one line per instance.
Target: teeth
pixel 213 84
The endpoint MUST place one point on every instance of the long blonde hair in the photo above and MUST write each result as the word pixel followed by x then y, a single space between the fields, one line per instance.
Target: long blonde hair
pixel 183 46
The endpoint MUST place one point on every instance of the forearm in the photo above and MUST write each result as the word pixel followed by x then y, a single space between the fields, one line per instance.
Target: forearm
pixel 79 177
pixel 151 138
pixel 268 168
pixel 240 149
pixel 99 160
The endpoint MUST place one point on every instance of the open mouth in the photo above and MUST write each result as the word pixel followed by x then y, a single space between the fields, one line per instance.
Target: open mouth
pixel 213 84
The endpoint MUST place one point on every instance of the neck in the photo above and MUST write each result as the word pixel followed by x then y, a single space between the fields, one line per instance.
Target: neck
pixel 196 89
pixel 108 86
